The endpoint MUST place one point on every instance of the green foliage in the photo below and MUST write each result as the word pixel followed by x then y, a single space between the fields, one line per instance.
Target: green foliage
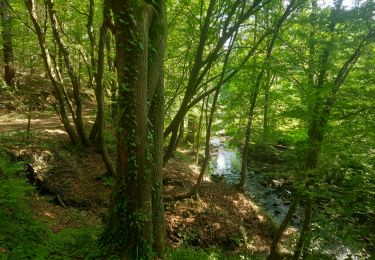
pixel 190 253
pixel 22 236
pixel 109 181
pixel 12 188
pixel 20 233
pixel 71 243
pixel 183 157
pixel 110 141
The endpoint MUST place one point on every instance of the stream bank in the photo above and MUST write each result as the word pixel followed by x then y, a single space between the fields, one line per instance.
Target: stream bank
pixel 269 194
pixel 226 164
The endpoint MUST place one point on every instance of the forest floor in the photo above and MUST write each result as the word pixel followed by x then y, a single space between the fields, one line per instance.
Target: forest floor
pixel 221 217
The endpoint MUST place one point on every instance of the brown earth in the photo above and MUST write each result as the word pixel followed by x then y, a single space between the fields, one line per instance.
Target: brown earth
pixel 221 217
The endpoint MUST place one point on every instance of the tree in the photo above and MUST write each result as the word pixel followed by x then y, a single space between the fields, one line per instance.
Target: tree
pixel 325 80
pixel 209 121
pixel 254 94
pixel 216 26
pixel 99 89
pixel 136 221
pixel 54 73
pixel 7 35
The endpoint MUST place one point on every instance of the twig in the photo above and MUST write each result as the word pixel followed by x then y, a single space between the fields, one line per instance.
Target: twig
pixel 60 201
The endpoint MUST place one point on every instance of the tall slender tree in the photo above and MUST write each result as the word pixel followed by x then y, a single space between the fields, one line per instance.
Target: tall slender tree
pixel 229 17
pixel 7 34
pixel 254 94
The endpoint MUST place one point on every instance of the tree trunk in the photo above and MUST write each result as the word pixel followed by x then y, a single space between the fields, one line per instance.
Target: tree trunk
pixel 210 119
pixel 157 120
pixel 207 155
pixel 249 128
pixel 181 133
pixel 93 136
pixel 53 73
pixel 90 33
pixel 190 136
pixel 129 231
pixel 112 69
pixel 172 146
pixel 305 235
pixel 155 95
pixel 254 95
pixel 134 207
pixel 274 254
pixel 6 33
pixel 78 121
pixel 266 107
pixel 99 91
pixel 245 151
pixel 173 130
pixel 199 133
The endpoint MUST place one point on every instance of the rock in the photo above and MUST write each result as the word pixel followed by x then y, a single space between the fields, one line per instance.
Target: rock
pixel 217 177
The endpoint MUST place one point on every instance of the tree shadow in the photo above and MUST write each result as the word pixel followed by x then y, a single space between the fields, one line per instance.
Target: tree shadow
pixel 221 216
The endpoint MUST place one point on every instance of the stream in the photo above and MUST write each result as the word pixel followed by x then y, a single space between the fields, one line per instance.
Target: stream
pixel 226 166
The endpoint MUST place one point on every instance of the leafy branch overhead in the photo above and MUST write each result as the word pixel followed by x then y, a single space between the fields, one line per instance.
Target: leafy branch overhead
pixel 189 129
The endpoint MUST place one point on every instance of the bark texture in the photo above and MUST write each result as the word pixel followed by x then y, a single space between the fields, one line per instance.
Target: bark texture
pixel 135 225
pixel 99 91
pixel 6 33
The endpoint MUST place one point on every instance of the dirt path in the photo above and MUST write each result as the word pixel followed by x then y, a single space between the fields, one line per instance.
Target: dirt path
pixel 50 124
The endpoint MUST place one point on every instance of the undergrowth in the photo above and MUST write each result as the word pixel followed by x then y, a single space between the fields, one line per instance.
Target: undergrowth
pixel 22 236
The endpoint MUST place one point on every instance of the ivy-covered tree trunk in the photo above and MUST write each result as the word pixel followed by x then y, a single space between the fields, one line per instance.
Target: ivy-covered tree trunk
pixel 135 225
pixel 6 33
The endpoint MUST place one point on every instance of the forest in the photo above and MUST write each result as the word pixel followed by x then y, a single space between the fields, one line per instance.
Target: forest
pixel 187 129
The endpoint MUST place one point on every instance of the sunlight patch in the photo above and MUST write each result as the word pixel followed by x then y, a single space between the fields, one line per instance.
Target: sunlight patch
pixel 55 131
